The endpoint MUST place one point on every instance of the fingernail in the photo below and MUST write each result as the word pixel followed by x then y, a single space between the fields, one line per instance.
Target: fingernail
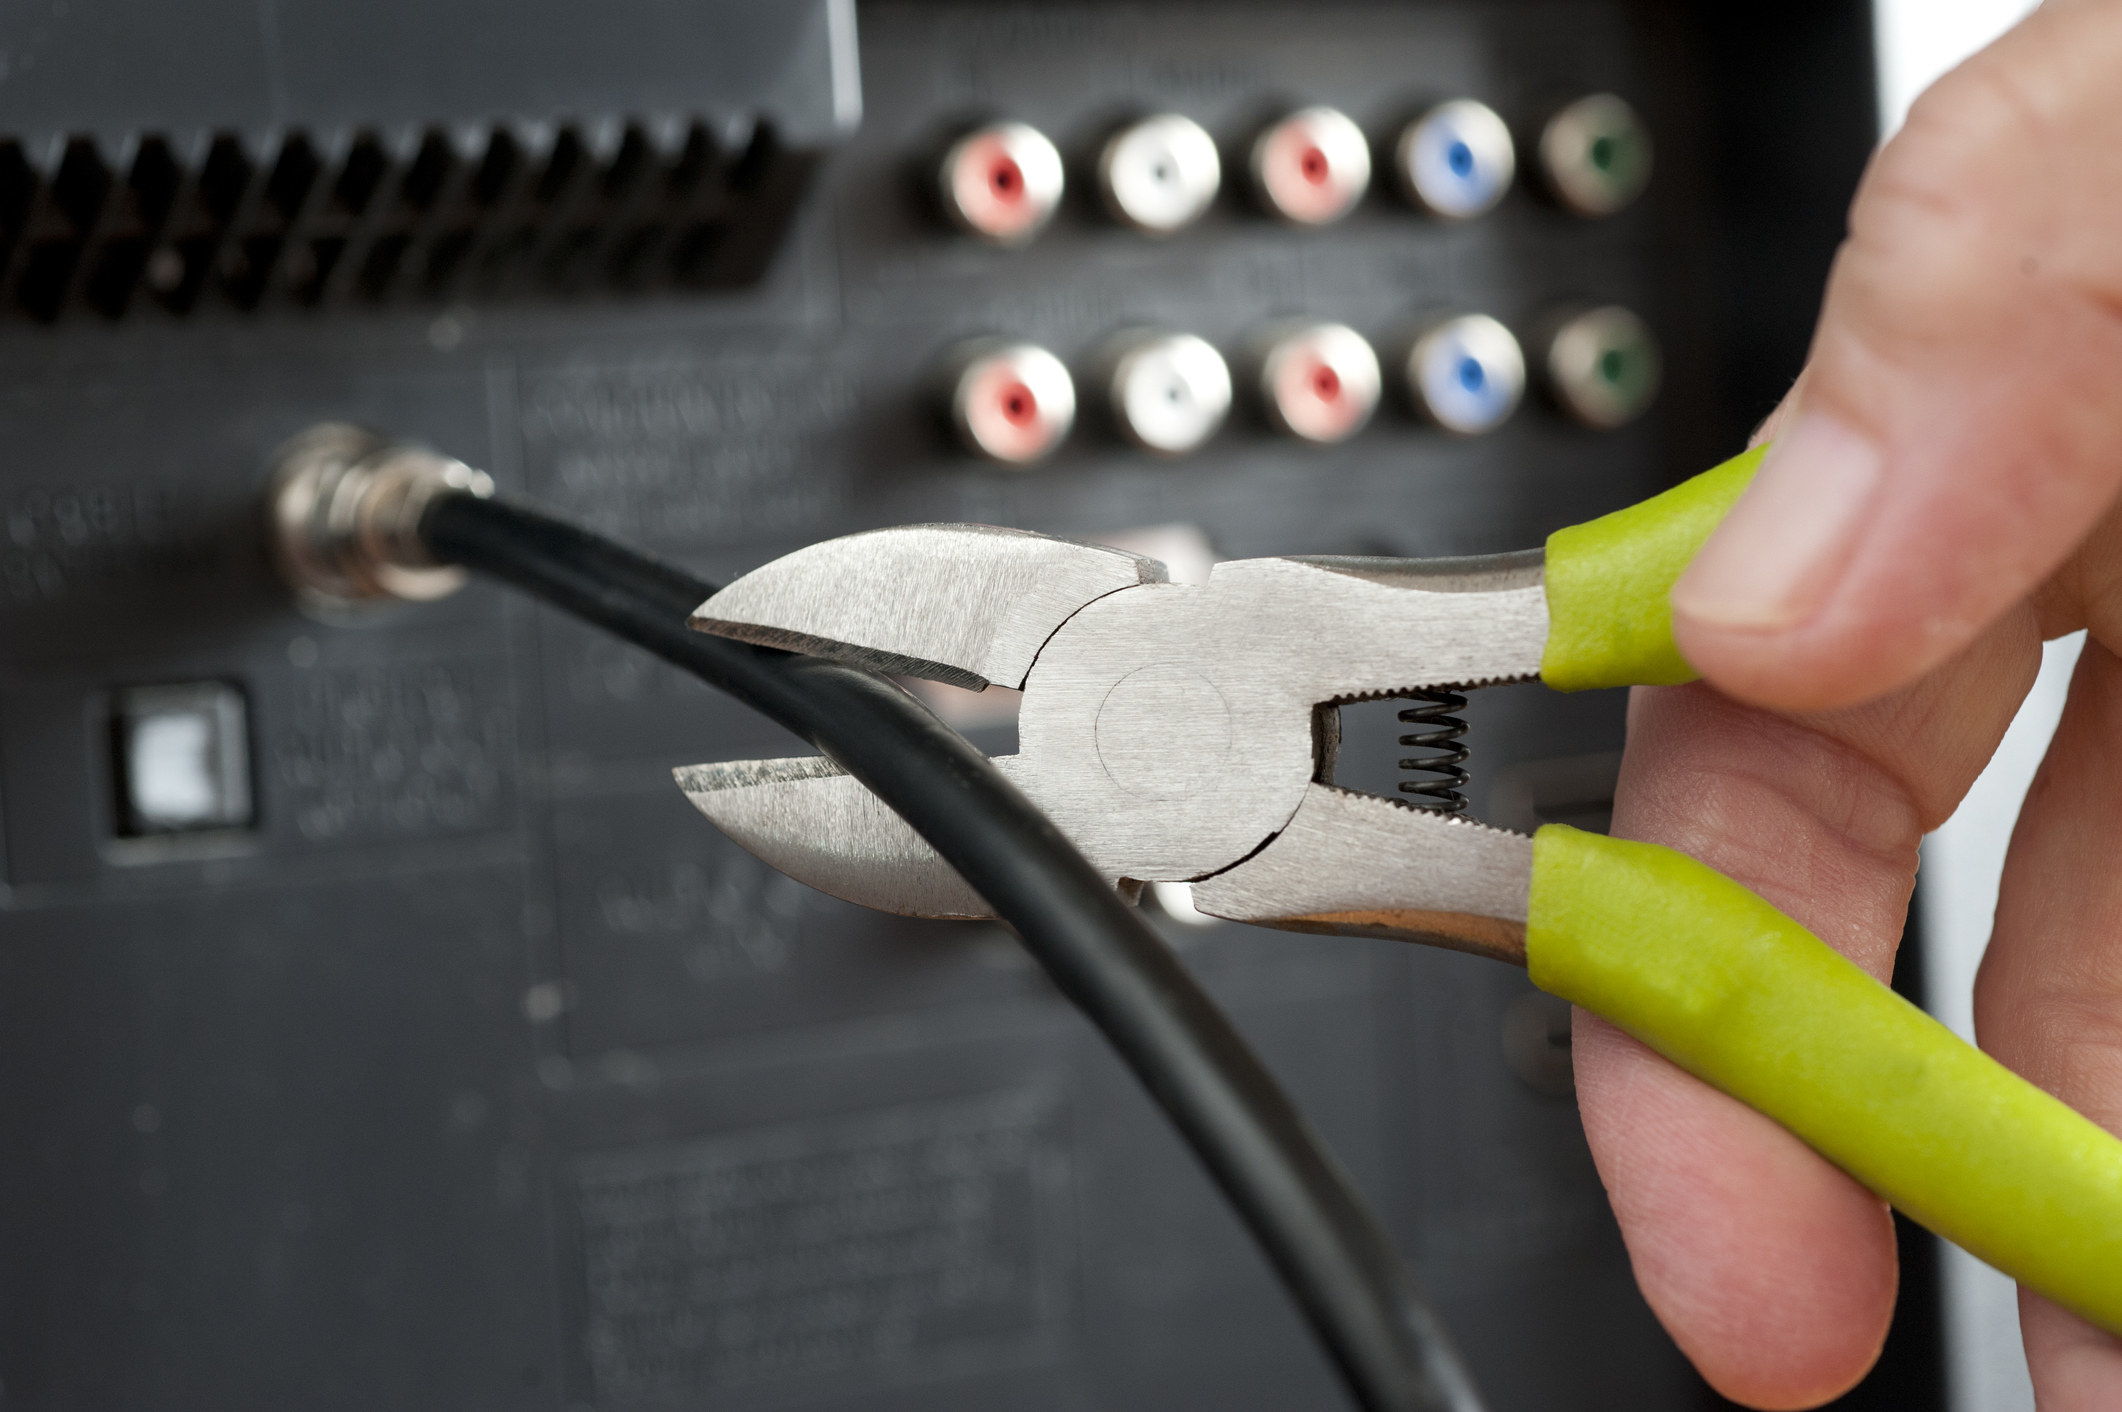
pixel 1772 562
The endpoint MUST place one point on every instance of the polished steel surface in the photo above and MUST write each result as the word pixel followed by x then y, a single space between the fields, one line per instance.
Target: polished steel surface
pixel 1011 403
pixel 1357 864
pixel 1170 730
pixel 965 604
pixel 817 824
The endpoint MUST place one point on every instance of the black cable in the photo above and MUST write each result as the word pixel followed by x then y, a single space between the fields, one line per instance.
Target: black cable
pixel 1388 1342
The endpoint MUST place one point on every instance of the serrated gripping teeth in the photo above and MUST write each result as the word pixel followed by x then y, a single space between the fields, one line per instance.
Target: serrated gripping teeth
pixel 1358 865
pixel 970 605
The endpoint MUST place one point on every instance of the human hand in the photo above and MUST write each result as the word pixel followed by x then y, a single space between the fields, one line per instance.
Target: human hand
pixel 1940 499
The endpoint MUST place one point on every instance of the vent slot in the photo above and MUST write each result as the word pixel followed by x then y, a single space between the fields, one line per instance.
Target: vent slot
pixel 366 218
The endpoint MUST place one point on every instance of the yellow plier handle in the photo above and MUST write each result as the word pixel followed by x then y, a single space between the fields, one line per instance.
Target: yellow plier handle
pixel 1727 987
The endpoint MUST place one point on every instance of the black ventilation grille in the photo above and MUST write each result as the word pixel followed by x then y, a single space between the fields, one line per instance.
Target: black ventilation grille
pixel 482 213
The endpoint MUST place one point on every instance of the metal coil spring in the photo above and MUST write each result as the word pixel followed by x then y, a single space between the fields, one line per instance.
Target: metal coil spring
pixel 1439 778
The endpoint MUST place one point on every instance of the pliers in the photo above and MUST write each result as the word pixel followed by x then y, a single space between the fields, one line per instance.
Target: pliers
pixel 1186 733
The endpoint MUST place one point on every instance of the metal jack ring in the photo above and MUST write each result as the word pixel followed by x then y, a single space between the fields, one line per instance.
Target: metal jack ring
pixel 345 517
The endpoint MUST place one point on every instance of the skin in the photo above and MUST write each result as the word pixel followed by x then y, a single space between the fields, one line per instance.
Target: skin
pixel 1948 500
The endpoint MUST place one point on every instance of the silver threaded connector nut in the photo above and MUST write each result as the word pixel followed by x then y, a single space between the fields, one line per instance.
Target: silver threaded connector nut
pixel 345 510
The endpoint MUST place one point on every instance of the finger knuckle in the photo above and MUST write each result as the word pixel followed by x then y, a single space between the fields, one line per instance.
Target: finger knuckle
pixel 1986 223
pixel 1968 141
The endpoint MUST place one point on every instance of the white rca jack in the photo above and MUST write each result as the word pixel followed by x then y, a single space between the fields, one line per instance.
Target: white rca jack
pixel 1159 174
pixel 1466 374
pixel 1001 182
pixel 1312 167
pixel 1318 382
pixel 1456 160
pixel 1603 367
pixel 1010 402
pixel 1170 392
pixel 1596 155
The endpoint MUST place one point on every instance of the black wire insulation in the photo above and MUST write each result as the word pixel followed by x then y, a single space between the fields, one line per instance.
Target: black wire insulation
pixel 1389 1344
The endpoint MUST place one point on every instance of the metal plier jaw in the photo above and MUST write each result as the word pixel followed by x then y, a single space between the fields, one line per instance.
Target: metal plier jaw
pixel 1173 732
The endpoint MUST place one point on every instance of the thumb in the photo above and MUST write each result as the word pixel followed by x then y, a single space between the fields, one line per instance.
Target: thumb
pixel 1960 424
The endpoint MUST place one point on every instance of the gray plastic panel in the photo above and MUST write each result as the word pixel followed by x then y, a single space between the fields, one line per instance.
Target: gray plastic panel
pixel 111 68
pixel 481 1073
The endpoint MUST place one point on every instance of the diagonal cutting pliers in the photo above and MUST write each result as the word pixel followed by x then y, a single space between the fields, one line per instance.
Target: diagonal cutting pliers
pixel 1186 733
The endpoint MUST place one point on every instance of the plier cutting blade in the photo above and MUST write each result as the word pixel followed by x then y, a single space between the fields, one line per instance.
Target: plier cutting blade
pixel 1185 733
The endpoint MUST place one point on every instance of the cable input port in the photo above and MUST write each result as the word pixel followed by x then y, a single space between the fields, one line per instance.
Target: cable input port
pixel 1596 154
pixel 1312 167
pixel 1466 374
pixel 1012 403
pixel 1159 174
pixel 1001 182
pixel 1169 391
pixel 346 507
pixel 1603 367
pixel 1318 381
pixel 1456 160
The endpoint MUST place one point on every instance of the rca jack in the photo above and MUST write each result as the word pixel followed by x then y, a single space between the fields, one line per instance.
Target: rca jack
pixel 1596 155
pixel 1318 382
pixel 1312 167
pixel 1465 374
pixel 1001 182
pixel 1158 175
pixel 1009 402
pixel 1603 367
pixel 1456 160
pixel 1169 392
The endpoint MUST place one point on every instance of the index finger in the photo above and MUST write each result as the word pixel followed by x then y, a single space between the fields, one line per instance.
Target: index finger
pixel 1959 432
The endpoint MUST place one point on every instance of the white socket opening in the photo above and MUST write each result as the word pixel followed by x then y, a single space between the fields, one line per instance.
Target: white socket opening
pixel 1170 392
pixel 1158 175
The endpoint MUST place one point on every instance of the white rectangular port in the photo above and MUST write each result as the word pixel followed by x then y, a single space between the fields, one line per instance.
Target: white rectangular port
pixel 183 758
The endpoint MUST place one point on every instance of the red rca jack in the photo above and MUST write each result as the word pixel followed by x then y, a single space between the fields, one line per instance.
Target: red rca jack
pixel 1596 155
pixel 1603 366
pixel 1465 374
pixel 1318 381
pixel 1159 174
pixel 1456 160
pixel 1001 182
pixel 1010 402
pixel 1169 392
pixel 1312 167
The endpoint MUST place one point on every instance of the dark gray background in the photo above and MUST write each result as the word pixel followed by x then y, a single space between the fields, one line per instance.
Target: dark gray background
pixel 482 1072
